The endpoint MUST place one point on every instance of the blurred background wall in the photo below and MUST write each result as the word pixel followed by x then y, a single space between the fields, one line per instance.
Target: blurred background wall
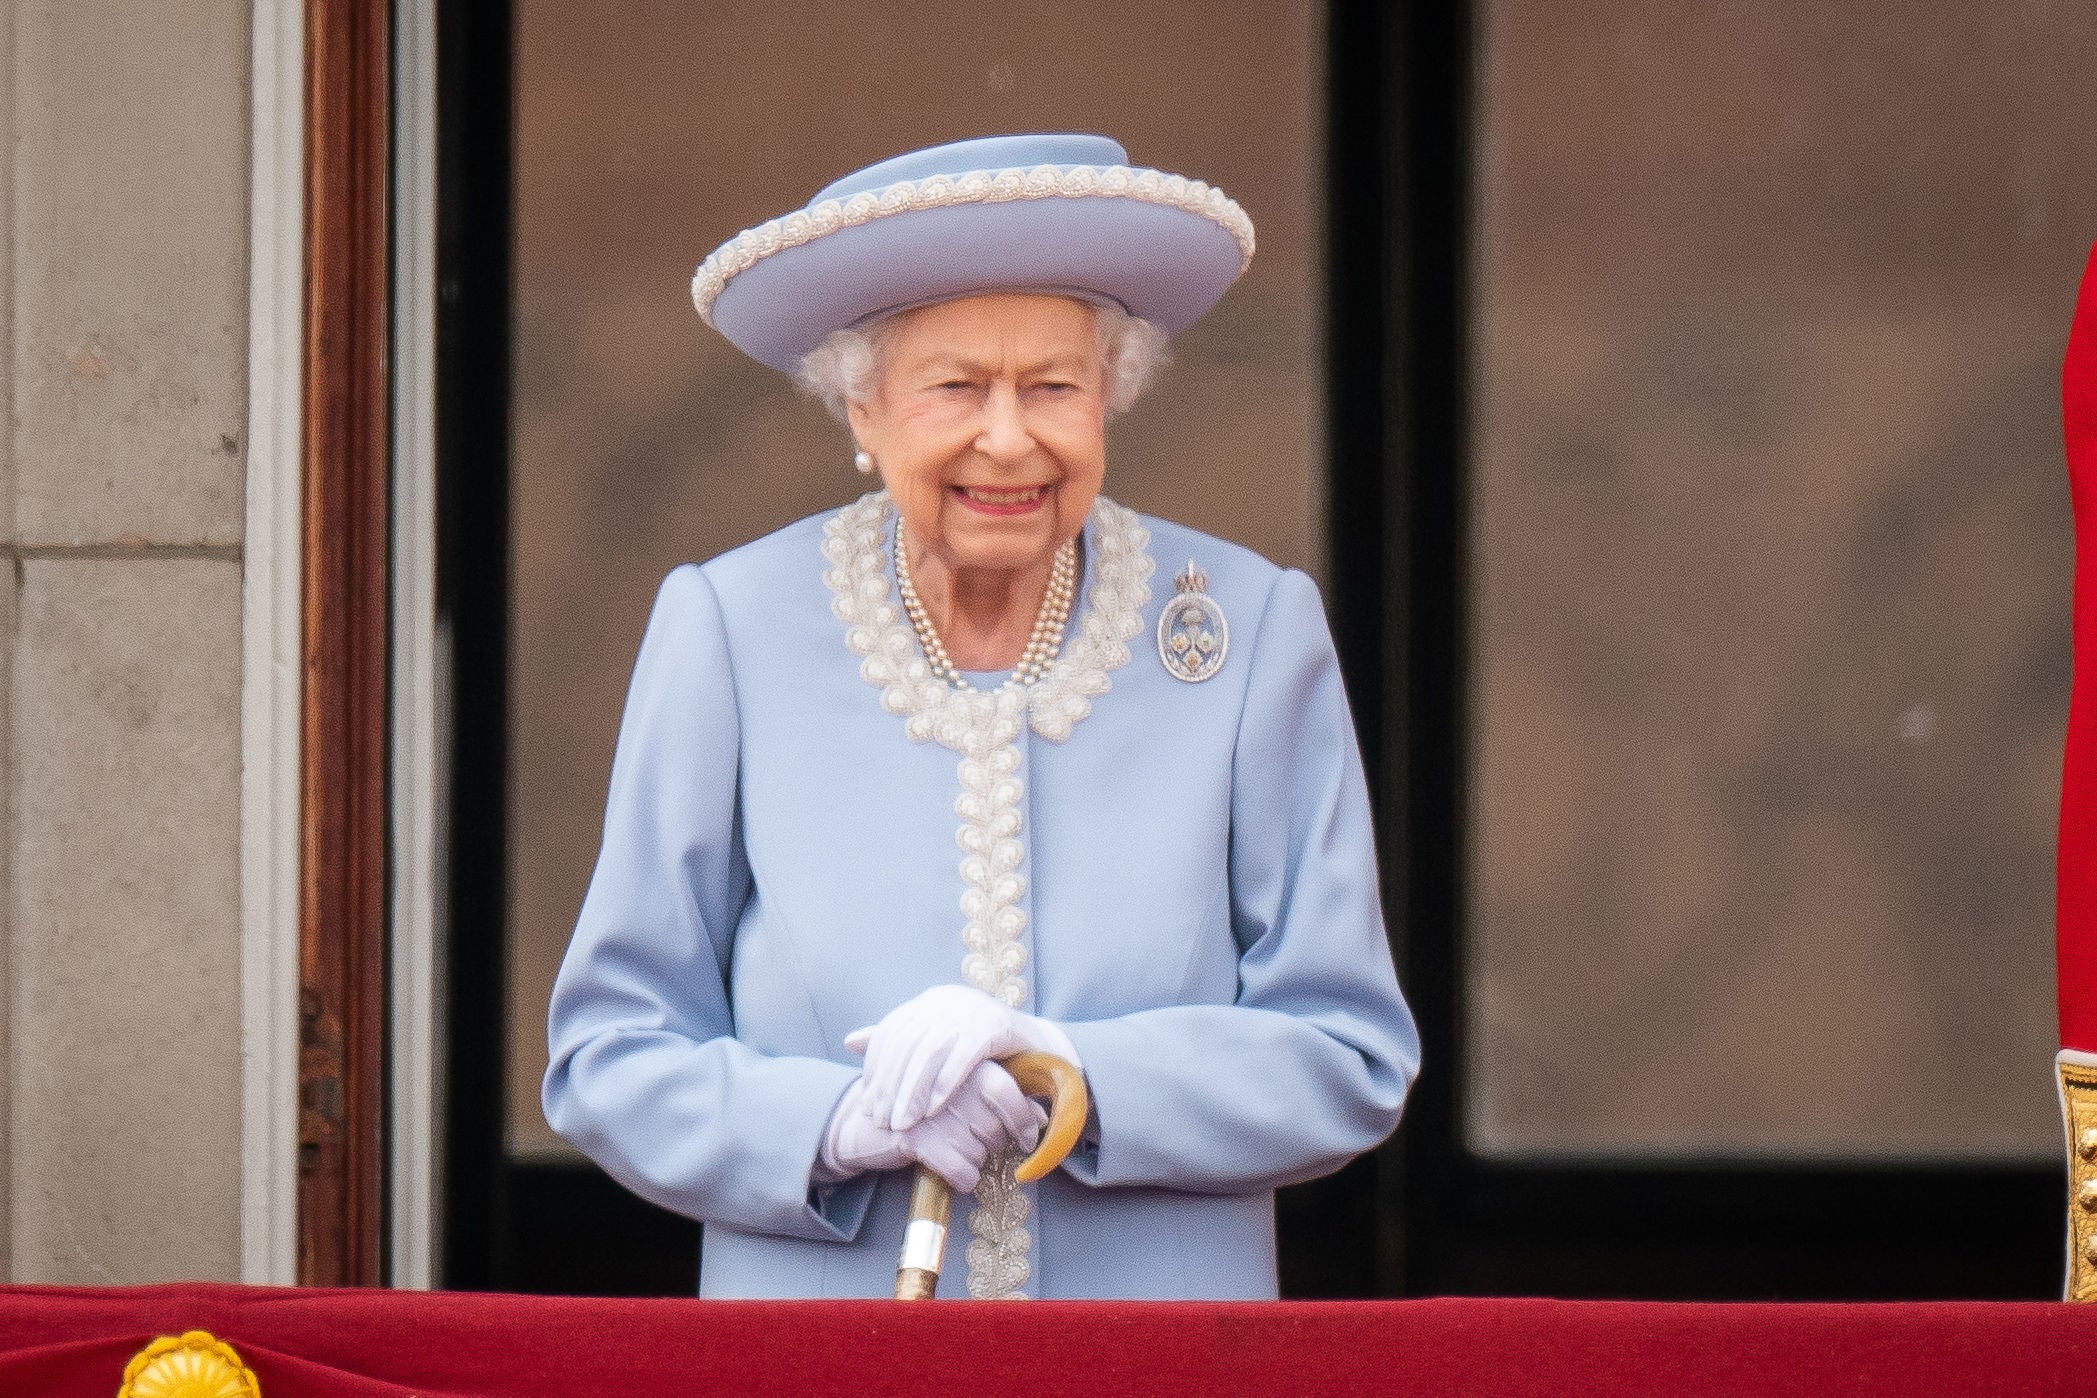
pixel 646 135
pixel 1771 566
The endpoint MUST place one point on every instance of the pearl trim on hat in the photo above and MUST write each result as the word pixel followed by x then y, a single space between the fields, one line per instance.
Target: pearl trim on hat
pixel 983 727
pixel 803 226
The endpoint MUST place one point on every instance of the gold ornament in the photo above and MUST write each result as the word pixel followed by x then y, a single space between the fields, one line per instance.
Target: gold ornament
pixel 2079 1106
pixel 197 1365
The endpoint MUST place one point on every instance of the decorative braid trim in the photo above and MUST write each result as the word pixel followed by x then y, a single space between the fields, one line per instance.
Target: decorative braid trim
pixel 998 1238
pixel 983 726
pixel 803 226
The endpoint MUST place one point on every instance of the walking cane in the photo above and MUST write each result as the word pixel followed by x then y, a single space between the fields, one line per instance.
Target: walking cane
pixel 925 1237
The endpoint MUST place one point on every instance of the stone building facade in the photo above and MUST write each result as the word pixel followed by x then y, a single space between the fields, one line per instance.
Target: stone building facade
pixel 124 458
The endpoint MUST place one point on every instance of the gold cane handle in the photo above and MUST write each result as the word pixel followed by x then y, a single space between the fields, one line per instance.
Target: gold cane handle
pixel 1040 1075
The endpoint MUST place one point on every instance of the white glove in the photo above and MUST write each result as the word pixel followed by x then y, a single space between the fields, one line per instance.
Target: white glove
pixel 924 1048
pixel 988 1113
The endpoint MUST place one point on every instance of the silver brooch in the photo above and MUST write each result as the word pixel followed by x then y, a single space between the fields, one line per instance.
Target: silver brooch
pixel 1192 634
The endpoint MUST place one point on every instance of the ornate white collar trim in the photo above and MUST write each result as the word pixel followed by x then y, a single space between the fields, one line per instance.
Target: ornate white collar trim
pixel 973 722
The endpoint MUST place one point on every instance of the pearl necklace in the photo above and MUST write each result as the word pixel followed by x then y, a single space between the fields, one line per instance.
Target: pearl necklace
pixel 1042 643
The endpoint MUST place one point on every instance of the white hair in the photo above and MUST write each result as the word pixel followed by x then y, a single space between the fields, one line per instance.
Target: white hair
pixel 840 371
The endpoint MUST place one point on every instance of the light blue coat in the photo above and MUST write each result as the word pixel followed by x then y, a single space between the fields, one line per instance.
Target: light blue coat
pixel 779 868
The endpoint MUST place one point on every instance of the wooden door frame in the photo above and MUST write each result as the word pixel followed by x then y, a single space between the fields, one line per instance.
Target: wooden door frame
pixel 345 521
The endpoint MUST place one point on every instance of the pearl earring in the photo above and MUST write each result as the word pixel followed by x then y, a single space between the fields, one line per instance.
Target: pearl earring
pixel 864 462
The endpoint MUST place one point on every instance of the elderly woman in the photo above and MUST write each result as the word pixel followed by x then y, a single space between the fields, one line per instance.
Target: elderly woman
pixel 955 772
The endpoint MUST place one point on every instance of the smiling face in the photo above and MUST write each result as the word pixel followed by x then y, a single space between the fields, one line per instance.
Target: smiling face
pixel 987 416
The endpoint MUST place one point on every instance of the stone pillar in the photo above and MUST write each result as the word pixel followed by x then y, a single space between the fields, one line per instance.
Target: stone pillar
pixel 123 291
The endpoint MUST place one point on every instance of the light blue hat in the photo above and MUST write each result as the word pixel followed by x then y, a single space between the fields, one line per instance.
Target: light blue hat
pixel 1058 213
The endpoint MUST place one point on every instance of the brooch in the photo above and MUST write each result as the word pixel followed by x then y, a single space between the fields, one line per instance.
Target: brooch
pixel 1192 634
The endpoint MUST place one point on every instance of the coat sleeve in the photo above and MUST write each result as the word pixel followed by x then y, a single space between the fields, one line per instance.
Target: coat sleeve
pixel 1311 1065
pixel 645 1075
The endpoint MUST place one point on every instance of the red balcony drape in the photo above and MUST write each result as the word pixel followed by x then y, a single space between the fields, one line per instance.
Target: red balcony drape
pixel 379 1344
